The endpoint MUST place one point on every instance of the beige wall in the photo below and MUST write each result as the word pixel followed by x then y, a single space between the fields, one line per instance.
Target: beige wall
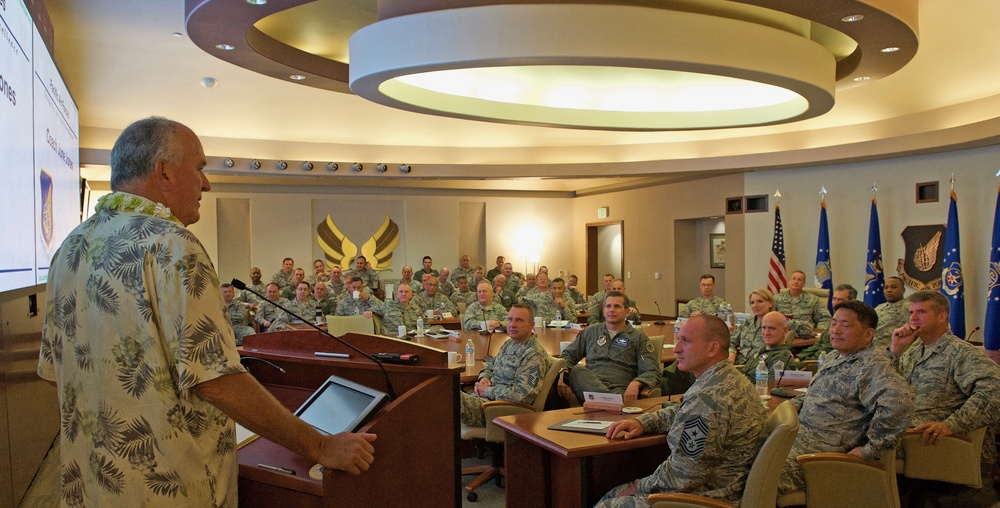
pixel 281 226
pixel 649 216
pixel 848 209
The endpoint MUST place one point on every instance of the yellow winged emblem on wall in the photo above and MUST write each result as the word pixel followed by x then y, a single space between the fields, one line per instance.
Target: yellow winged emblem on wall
pixel 341 251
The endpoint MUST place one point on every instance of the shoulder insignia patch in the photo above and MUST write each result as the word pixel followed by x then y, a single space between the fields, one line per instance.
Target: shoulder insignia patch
pixel 649 346
pixel 694 436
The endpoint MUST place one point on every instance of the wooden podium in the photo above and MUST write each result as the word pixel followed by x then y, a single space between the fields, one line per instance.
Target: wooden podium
pixel 416 454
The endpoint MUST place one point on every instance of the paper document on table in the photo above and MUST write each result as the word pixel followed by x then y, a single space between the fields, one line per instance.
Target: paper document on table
pixel 587 426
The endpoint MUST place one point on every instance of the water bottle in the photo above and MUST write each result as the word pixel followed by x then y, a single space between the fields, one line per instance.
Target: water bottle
pixel 420 326
pixel 760 374
pixel 819 361
pixel 558 316
pixel 729 315
pixel 470 354
pixel 441 309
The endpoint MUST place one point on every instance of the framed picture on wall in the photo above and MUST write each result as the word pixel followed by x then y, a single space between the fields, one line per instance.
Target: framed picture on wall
pixel 717 250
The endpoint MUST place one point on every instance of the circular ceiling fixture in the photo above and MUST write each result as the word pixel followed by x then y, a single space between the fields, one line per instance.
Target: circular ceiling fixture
pixel 589 64
pixel 612 67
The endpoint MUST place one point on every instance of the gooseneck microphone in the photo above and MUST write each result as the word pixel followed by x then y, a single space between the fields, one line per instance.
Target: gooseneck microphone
pixel 782 392
pixel 238 284
pixel 974 330
pixel 658 322
pixel 269 362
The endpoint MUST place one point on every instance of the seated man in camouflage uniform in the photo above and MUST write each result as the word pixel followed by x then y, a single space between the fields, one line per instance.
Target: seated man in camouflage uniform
pixel 841 294
pixel 856 403
pixel 320 274
pixel 363 303
pixel 324 300
pixel 462 293
pixel 239 313
pixel 620 358
pixel 337 286
pixel 631 308
pixel 256 285
pixel 707 303
pixel 807 311
pixel 545 302
pixel 484 309
pixel 501 293
pixel 432 300
pixel 283 277
pixel 406 277
pixel 369 277
pixel 445 287
pixel 713 437
pixel 298 276
pixel 892 314
pixel 516 372
pixel 957 386
pixel 270 317
pixel 529 284
pixel 400 312
pixel 573 292
pixel 773 328
pixel 464 269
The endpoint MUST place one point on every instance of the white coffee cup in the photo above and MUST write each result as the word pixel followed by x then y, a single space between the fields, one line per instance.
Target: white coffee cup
pixel 482 325
pixel 357 294
pixel 454 357
pixel 429 312
pixel 402 331
pixel 538 322
pixel 563 345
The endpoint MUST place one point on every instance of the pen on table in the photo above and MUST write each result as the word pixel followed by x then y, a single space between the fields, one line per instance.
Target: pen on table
pixel 276 469
pixel 332 355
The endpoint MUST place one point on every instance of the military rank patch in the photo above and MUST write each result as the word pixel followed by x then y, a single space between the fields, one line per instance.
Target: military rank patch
pixel 621 341
pixel 603 340
pixel 649 347
pixel 694 436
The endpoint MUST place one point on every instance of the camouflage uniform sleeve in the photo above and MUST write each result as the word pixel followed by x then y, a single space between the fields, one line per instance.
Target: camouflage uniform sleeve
pixel 471 317
pixel 890 400
pixel 488 362
pixel 821 346
pixel 528 381
pixel 978 376
pixel 659 421
pixel 803 329
pixel 821 315
pixel 685 312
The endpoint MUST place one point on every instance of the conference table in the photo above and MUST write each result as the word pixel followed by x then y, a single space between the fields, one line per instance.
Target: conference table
pixel 561 469
pixel 549 338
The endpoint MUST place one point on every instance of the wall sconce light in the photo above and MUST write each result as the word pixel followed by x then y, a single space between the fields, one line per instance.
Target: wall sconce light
pixel 381 168
pixel 229 162
pixel 308 166
pixel 332 166
pixel 405 168
pixel 357 167
pixel 282 165
pixel 255 164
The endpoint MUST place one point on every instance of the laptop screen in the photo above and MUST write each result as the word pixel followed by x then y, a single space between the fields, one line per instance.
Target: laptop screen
pixel 340 405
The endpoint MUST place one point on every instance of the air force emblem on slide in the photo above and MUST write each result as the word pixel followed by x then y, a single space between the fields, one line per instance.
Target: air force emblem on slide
pixel 694 436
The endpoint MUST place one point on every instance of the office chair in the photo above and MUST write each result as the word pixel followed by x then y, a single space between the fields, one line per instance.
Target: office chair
pixel 761 488
pixel 495 435
pixel 339 325
pixel 955 458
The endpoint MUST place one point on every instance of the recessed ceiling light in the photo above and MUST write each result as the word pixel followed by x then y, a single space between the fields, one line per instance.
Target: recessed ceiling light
pixel 225 47
pixel 297 77
pixel 862 78
pixel 209 82
pixel 852 18
pixel 256 2
pixel 890 49
pixel 177 34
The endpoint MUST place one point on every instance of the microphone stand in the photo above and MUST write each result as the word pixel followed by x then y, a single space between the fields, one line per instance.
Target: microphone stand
pixel 782 392
pixel 658 322
pixel 238 284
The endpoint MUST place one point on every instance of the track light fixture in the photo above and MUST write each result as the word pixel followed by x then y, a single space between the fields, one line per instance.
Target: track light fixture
pixel 255 164
pixel 308 166
pixel 357 167
pixel 405 168
pixel 282 165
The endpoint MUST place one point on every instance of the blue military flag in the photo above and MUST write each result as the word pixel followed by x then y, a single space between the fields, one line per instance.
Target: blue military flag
pixel 874 277
pixel 824 272
pixel 992 328
pixel 952 284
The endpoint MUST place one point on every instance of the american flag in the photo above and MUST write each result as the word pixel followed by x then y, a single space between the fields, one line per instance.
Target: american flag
pixel 776 274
